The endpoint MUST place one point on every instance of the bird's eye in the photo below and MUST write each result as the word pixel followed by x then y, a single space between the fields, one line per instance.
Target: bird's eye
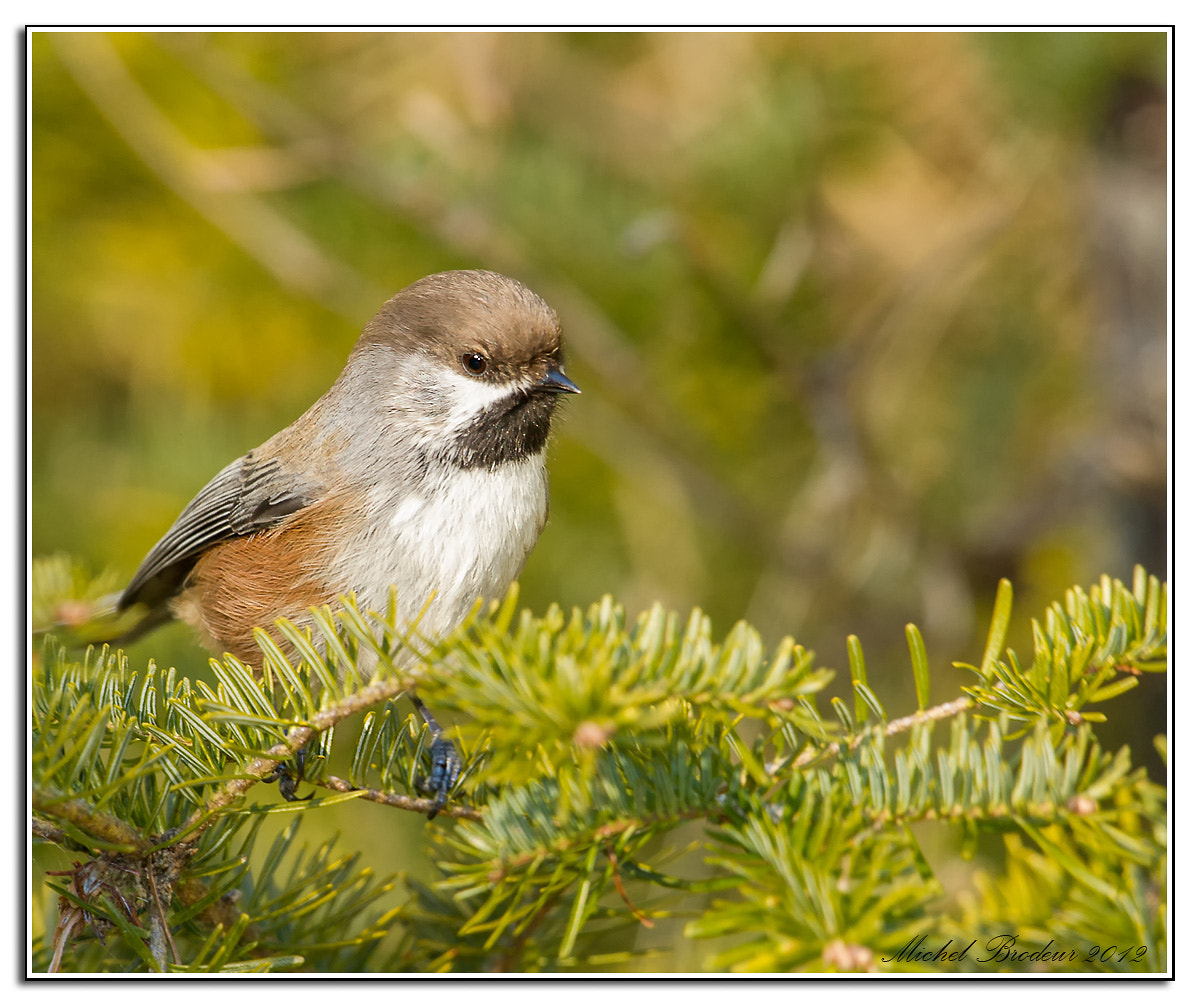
pixel 474 363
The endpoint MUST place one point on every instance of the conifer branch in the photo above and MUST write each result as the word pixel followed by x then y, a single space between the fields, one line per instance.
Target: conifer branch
pixel 258 767
pixel 105 828
pixel 890 729
pixel 420 805
pixel 589 742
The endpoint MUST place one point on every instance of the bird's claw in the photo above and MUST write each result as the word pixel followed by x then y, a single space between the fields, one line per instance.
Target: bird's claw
pixel 289 783
pixel 443 774
pixel 445 763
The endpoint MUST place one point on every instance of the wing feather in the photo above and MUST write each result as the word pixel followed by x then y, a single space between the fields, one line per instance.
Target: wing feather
pixel 243 497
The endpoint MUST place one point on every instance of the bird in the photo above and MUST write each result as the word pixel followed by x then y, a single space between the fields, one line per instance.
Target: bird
pixel 421 471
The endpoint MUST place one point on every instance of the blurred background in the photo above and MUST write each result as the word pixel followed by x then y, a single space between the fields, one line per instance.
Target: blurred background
pixel 864 321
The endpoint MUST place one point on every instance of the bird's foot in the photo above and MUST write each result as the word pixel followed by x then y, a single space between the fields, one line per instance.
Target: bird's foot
pixel 446 764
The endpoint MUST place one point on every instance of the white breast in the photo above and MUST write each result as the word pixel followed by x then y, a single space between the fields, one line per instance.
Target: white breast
pixel 464 534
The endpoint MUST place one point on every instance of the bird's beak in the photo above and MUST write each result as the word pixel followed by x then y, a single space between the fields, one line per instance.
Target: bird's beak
pixel 556 380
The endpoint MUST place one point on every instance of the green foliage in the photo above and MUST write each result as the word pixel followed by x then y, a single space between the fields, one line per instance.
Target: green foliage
pixel 620 774
pixel 807 880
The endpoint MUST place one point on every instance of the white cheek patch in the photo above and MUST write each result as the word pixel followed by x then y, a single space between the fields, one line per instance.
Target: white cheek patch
pixel 471 396
pixel 444 401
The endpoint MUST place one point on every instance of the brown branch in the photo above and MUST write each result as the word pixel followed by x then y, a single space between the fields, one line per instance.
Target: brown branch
pixel 47 832
pixel 893 727
pixel 641 916
pixel 252 773
pixel 108 829
pixel 942 712
pixel 417 804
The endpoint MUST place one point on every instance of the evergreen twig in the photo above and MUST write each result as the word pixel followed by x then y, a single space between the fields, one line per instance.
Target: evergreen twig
pixel 590 743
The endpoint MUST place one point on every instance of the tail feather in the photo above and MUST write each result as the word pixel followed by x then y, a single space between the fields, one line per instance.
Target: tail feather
pixel 102 620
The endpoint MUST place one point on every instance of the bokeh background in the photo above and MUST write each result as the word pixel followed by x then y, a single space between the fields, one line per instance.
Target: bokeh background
pixel 864 321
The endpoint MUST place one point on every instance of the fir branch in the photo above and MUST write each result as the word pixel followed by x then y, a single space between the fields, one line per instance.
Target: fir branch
pixel 106 830
pixel 833 749
pixel 399 800
pixel 46 832
pixel 633 731
pixel 253 771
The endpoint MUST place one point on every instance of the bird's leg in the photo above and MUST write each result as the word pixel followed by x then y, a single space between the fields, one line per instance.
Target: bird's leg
pixel 446 765
pixel 289 783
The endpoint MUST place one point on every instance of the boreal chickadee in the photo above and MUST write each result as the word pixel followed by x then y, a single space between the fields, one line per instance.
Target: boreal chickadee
pixel 422 469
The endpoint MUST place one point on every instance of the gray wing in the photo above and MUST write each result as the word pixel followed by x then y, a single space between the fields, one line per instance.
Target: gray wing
pixel 245 496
